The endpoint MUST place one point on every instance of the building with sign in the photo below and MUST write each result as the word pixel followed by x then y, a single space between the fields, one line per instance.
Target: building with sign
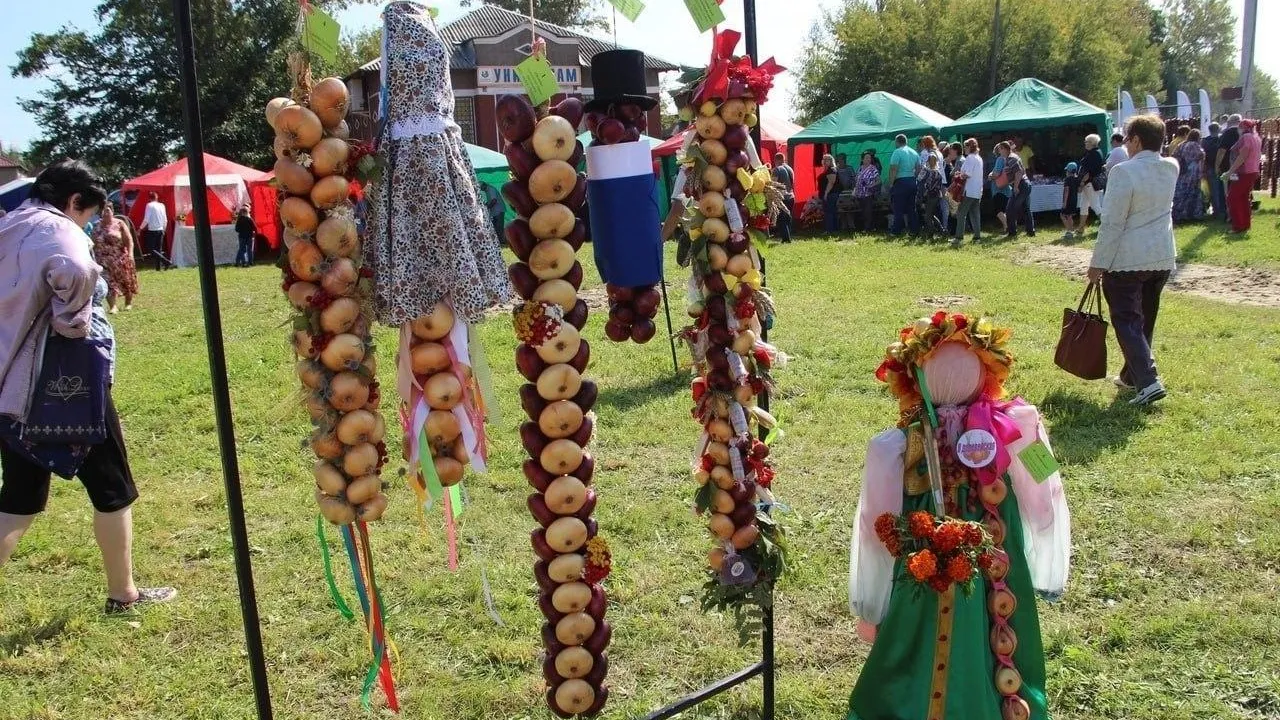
pixel 488 42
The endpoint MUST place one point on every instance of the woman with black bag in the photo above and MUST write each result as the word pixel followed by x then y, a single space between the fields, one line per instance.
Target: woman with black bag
pixel 55 374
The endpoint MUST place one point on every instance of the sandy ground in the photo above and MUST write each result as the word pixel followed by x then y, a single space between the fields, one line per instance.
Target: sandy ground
pixel 1244 286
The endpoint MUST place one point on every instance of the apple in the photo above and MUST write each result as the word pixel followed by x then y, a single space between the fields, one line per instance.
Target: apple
pixel 554 138
pixel 713 179
pixel 710 127
pixel 570 109
pixel 552 181
pixel 611 131
pixel 518 197
pixel 562 347
pixel 515 118
pixel 751 120
pixel 557 292
pixel 717 258
pixel 528 363
pixel 522 162
pixel 559 382
pixel 733 111
pixel 707 108
pixel 738 265
pixel 643 331
pixel 552 221
pixel 577 315
pixel 737 245
pixel 617 331
pixel 647 302
pixel 523 279
pixel 735 137
pixel 716 230
pixel 520 238
pixel 578 235
pixel 715 151
pixel 551 259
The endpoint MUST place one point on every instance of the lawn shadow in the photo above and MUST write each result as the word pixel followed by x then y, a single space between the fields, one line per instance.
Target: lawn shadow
pixel 1083 429
pixel 1192 249
pixel 13 644
pixel 629 397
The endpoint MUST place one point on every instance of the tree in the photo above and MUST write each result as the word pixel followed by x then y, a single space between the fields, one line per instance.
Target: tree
pixel 941 52
pixel 1198 47
pixel 357 49
pixel 114 99
pixel 568 13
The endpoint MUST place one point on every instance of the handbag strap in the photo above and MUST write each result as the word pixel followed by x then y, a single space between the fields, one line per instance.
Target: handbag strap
pixel 1092 292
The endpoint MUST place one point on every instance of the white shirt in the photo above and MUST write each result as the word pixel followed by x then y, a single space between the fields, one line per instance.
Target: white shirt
pixel 1117 156
pixel 1137 221
pixel 155 218
pixel 972 166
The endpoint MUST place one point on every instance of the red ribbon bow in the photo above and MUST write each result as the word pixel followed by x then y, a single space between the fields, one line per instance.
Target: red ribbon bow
pixel 717 83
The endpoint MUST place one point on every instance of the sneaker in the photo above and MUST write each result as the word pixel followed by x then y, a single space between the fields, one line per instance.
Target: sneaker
pixel 1149 394
pixel 1122 383
pixel 146 596
pixel 1068 235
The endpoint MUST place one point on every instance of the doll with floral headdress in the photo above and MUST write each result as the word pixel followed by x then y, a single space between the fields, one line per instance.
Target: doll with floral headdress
pixel 961 521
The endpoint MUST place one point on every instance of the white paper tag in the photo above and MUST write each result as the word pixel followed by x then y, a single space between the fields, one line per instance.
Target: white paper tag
pixel 739 419
pixel 731 210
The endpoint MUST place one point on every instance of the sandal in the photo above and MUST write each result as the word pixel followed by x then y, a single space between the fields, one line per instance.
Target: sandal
pixel 146 596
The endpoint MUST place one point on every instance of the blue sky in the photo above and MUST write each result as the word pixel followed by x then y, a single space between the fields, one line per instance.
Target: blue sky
pixel 664 29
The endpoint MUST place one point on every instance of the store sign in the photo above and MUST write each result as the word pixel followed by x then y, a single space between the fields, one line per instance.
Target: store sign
pixel 491 76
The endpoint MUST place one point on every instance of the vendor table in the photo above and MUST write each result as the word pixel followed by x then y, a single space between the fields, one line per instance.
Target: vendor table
pixel 1045 198
pixel 225 245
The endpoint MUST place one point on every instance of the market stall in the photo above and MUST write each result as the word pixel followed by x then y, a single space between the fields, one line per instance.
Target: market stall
pixel 1052 122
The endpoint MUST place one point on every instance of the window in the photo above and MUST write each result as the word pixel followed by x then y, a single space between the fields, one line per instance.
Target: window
pixel 464 113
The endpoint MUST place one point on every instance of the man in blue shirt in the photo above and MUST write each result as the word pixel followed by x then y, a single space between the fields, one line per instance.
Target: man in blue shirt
pixel 902 188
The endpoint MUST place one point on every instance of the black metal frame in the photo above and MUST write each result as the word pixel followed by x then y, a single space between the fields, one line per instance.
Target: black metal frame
pixel 766 667
pixel 226 428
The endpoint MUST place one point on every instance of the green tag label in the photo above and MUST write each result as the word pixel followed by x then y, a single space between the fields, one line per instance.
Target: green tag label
pixel 1039 461
pixel 320 34
pixel 538 78
pixel 706 13
pixel 630 9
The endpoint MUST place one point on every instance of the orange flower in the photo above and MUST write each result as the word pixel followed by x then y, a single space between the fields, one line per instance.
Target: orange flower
pixel 939 583
pixel 920 524
pixel 886 527
pixel 922 565
pixel 972 535
pixel 985 560
pixel 948 536
pixel 893 545
pixel 959 569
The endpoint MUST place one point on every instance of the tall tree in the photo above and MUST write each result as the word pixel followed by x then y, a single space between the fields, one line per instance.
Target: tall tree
pixel 569 13
pixel 114 99
pixel 1199 46
pixel 941 52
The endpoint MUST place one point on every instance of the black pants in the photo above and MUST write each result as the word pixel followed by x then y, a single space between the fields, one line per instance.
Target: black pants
pixel 1019 210
pixel 867 206
pixel 1134 298
pixel 24 486
pixel 782 226
pixel 155 247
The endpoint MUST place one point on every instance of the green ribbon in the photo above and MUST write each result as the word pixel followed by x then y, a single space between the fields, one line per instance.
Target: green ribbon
pixel 455 501
pixel 924 395
pixel 434 489
pixel 328 572
pixel 483 374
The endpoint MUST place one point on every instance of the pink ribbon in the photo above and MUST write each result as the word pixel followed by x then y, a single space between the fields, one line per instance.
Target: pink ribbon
pixel 993 418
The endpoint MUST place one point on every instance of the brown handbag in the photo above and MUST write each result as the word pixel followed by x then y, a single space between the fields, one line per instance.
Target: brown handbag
pixel 1082 345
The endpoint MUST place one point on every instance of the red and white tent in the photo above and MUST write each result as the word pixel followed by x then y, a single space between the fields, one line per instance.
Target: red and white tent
pixel 230 186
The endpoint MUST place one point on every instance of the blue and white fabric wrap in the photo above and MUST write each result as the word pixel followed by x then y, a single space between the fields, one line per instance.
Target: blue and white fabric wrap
pixel 622 194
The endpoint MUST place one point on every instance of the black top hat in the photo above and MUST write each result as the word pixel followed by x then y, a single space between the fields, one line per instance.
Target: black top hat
pixel 617 76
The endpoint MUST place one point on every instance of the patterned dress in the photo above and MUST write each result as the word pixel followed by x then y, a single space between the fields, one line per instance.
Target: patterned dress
pixel 1188 200
pixel 429 235
pixel 111 249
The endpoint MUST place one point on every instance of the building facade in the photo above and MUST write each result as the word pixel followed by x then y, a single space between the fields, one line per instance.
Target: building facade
pixel 488 43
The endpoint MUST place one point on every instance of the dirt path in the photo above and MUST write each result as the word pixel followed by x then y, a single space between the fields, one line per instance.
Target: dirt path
pixel 1245 286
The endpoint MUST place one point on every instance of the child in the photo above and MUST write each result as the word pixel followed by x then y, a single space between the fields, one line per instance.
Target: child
pixel 1071 201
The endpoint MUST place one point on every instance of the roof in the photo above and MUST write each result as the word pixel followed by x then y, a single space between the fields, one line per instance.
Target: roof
pixel 772 129
pixel 489 21
pixel 7 162
pixel 1027 104
pixel 874 116
pixel 213 165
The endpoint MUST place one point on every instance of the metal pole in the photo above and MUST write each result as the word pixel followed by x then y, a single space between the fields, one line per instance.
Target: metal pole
pixel 671 333
pixel 1248 43
pixel 218 360
pixel 766 641
pixel 749 28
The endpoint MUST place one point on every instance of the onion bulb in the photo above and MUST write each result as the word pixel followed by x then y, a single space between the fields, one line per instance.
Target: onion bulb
pixel 442 427
pixel 336 510
pixel 339 316
pixel 348 391
pixel 356 427
pixel 298 214
pixel 373 509
pixel 344 352
pixel 306 262
pixel 341 277
pixel 435 324
pixel 300 294
pixel 330 191
pixel 428 358
pixel 329 479
pixel 325 445
pixel 274 107
pixel 337 235
pixel 293 178
pixel 360 460
pixel 443 391
pixel 448 470
pixel 329 157
pixel 341 130
pixel 329 100
pixel 299 126
pixel 312 375
pixel 363 489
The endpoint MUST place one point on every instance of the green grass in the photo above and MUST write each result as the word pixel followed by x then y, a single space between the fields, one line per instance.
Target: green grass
pixel 1206 242
pixel 1171 611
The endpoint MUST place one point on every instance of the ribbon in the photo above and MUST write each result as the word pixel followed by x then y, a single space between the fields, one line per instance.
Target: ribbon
pixel 450 528
pixel 993 418
pixel 377 627
pixel 483 374
pixel 336 596
pixel 717 83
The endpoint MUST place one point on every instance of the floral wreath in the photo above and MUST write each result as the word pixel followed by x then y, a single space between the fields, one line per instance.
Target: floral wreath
pixel 917 341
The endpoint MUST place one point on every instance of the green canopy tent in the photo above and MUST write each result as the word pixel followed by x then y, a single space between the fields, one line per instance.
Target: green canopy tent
pixel 869 123
pixel 492 169
pixel 1030 104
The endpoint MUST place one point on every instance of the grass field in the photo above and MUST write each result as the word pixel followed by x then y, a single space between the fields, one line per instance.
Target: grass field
pixel 1171 612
